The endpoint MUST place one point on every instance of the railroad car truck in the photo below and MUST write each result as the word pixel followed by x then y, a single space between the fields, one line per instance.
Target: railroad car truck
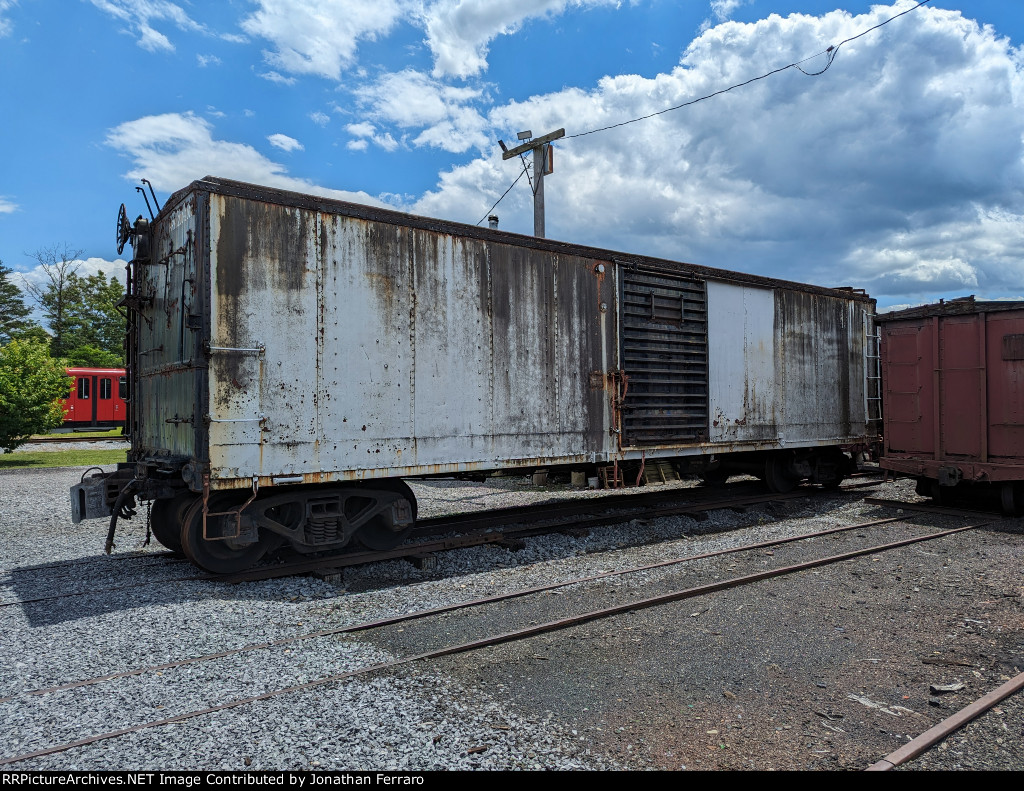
pixel 953 398
pixel 292 358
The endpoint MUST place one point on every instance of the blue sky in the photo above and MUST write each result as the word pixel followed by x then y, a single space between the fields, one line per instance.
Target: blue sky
pixel 899 170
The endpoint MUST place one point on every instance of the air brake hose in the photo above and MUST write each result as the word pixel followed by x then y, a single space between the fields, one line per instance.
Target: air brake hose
pixel 118 504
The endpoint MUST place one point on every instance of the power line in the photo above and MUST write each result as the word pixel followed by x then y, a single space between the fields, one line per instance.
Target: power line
pixel 506 192
pixel 831 52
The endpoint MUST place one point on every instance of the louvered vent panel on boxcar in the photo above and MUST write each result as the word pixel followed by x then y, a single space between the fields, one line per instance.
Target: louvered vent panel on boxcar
pixel 665 355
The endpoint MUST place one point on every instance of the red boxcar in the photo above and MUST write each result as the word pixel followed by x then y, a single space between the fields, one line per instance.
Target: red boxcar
pixel 953 397
pixel 97 398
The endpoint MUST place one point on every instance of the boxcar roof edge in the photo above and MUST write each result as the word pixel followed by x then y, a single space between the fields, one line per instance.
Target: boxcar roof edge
pixel 953 307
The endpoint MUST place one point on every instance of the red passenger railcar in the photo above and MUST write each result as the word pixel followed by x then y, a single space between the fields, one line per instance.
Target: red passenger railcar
pixel 96 399
pixel 953 397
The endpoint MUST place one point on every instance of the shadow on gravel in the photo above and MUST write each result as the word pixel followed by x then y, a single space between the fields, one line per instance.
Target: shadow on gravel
pixel 96 586
pixel 118 584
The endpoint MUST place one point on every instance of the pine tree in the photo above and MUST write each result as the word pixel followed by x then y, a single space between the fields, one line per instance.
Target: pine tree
pixel 14 316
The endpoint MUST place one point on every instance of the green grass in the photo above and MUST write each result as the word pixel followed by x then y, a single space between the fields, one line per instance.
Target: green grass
pixel 60 458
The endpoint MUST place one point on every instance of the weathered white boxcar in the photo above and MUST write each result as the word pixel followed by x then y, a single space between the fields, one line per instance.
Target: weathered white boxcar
pixel 291 358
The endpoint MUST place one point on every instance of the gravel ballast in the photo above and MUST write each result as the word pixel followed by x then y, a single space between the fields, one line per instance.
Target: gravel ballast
pixel 824 669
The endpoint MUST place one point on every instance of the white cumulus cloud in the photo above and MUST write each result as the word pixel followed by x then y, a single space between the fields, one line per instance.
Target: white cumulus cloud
pixel 322 37
pixel 285 143
pixel 319 37
pixel 460 31
pixel 140 15
pixel 281 79
pixel 722 9
pixel 173 149
pixel 365 133
pixel 444 114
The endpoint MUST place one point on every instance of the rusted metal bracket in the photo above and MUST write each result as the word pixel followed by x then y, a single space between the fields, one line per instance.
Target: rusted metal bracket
pixel 183 250
pixel 134 302
pixel 618 380
pixel 237 513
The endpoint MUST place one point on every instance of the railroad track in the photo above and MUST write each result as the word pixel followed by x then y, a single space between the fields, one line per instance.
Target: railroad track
pixel 495 526
pixel 513 635
pixel 931 508
pixel 72 438
pixel 920 745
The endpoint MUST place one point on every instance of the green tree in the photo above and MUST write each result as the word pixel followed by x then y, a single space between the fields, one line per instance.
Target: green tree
pixel 14 316
pixel 91 357
pixel 58 264
pixel 93 327
pixel 33 387
pixel 32 333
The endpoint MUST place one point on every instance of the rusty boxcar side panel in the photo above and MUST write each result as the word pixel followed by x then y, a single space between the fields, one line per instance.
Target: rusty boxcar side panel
pixel 742 363
pixel 953 398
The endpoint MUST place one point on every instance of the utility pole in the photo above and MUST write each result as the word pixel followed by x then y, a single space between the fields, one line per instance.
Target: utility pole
pixel 541 148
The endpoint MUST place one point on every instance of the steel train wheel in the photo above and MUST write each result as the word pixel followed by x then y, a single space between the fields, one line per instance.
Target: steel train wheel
pixel 1011 497
pixel 376 534
pixel 942 495
pixel 220 556
pixel 166 519
pixel 776 477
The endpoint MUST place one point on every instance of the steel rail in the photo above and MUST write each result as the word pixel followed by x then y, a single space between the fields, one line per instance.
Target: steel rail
pixel 417 614
pixel 496 516
pixel 44 440
pixel 506 637
pixel 933 509
pixel 954 722
pixel 490 517
pixel 470 539
pixel 539 511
